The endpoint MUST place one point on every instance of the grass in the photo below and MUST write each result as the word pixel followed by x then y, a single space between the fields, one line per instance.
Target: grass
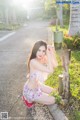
pixel 75 74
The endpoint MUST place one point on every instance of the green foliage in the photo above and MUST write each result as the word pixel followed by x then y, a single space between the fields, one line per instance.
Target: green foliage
pixel 65 31
pixel 66 6
pixel 68 41
pixel 53 78
pixel 75 115
pixel 49 4
pixel 75 74
pixel 57 97
pixel 73 108
pixel 72 42
pixel 74 71
pixel 76 42
pixel 50 9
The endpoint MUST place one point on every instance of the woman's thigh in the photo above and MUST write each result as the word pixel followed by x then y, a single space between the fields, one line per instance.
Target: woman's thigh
pixel 45 99
pixel 45 88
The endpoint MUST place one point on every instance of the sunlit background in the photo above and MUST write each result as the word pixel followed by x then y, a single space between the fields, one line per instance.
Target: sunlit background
pixel 18 12
pixel 29 6
pixel 26 4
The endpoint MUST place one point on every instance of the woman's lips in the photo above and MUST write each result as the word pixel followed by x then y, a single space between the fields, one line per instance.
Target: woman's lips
pixel 40 56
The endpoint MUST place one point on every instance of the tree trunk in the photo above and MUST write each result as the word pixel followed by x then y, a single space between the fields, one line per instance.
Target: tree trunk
pixel 74 24
pixel 60 84
pixel 64 79
pixel 60 14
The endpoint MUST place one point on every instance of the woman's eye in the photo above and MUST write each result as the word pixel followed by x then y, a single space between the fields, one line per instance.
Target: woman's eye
pixel 44 51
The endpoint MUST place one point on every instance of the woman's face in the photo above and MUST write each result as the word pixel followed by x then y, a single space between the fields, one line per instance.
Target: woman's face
pixel 41 52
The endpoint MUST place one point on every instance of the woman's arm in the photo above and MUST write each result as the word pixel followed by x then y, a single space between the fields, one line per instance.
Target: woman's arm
pixel 49 61
pixel 51 54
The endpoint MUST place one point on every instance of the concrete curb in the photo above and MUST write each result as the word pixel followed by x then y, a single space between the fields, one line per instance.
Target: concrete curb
pixel 56 112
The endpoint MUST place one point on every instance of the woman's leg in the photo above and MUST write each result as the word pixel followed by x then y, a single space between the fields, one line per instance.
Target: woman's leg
pixel 45 99
pixel 45 88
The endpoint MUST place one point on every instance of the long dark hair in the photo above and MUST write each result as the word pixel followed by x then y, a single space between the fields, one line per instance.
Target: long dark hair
pixel 35 48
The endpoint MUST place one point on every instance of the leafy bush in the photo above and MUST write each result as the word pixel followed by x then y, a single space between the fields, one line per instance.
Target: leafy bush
pixel 72 42
pixel 76 42
pixel 68 41
pixel 74 115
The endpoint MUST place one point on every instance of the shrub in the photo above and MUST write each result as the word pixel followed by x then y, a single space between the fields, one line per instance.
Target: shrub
pixel 68 41
pixel 72 42
pixel 76 42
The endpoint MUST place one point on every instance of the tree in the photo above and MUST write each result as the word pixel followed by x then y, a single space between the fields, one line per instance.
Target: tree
pixel 5 4
pixel 11 13
pixel 49 4
pixel 74 24
pixel 60 14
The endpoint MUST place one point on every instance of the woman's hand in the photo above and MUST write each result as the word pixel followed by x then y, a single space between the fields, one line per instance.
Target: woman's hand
pixel 51 56
pixel 50 49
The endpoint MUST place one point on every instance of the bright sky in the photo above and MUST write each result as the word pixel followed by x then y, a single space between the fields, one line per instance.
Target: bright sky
pixel 25 3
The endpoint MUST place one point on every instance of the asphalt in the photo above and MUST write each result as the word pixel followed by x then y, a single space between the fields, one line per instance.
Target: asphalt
pixel 4 32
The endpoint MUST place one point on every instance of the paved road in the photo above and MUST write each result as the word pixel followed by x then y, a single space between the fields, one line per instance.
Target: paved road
pixel 4 32
pixel 13 58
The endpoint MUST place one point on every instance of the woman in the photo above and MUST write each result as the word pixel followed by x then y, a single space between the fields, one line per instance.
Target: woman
pixel 42 62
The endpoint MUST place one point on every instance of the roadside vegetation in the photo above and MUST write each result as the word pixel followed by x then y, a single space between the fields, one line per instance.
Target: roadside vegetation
pixel 72 109
pixel 9 27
